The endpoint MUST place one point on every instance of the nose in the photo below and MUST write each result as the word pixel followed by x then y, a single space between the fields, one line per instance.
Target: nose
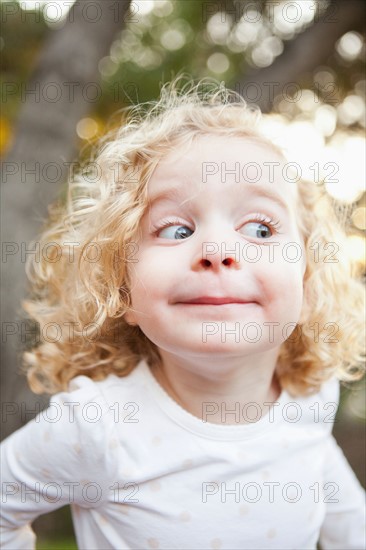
pixel 229 261
pixel 218 255
pixel 217 246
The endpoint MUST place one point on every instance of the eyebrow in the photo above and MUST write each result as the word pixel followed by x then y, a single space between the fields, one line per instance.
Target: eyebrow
pixel 177 192
pixel 172 193
pixel 268 194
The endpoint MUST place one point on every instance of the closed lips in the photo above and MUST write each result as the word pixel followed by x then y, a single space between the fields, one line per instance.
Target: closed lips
pixel 215 301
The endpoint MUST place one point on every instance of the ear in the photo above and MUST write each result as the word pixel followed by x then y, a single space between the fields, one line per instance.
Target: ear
pixel 130 319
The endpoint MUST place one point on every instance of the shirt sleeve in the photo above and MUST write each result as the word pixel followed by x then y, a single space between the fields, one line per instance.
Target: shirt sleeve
pixel 344 524
pixel 56 459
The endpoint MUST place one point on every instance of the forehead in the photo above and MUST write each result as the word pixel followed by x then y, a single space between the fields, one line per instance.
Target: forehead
pixel 207 145
pixel 222 163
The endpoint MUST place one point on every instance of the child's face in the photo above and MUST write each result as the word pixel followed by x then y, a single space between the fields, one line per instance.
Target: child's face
pixel 213 213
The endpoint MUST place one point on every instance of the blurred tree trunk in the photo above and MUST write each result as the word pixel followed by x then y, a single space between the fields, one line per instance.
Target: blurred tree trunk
pixel 303 54
pixel 63 89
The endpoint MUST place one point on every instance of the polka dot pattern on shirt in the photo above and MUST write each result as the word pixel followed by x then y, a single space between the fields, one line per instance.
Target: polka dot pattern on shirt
pixel 185 516
pixel 153 543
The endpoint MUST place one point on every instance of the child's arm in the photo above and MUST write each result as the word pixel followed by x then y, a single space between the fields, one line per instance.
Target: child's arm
pixel 54 460
pixel 344 524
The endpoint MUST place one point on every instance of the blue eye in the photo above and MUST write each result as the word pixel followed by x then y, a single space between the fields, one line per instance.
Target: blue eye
pixel 258 230
pixel 259 227
pixel 181 233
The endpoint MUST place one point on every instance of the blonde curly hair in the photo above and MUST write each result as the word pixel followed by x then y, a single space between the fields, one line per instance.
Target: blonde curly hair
pixel 80 292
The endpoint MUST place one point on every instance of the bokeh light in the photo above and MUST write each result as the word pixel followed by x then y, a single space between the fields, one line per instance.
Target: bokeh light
pixel 107 67
pixel 356 249
pixel 359 217
pixel 308 101
pixel 143 7
pixel 291 17
pixel 325 119
pixel 246 32
pixel 87 128
pixel 173 39
pixel 218 63
pixel 163 8
pixel 350 45
pixel 351 110
pixel 218 27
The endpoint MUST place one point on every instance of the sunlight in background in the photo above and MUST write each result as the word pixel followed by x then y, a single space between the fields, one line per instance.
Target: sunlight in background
pixel 340 164
pixel 290 17
pixel 161 8
pixel 356 248
pixel 145 6
pixel 348 154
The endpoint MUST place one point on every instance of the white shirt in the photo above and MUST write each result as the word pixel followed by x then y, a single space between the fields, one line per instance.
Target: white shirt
pixel 141 472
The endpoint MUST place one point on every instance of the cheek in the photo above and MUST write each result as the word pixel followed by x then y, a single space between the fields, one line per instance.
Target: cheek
pixel 282 287
pixel 148 279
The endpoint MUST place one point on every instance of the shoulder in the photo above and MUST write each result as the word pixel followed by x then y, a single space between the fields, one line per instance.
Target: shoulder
pixel 78 439
pixel 315 411
pixel 323 405
pixel 78 423
pixel 329 392
pixel 88 405
pixel 102 394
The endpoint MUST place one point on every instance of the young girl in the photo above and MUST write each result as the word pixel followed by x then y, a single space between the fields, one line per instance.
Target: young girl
pixel 196 311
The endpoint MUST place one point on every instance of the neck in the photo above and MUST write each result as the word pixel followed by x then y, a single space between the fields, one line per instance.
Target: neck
pixel 218 390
